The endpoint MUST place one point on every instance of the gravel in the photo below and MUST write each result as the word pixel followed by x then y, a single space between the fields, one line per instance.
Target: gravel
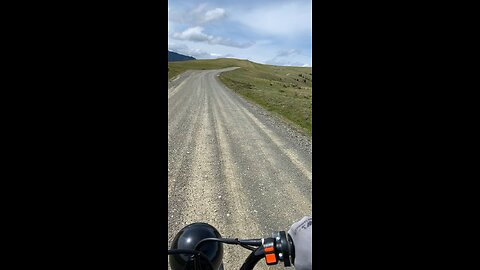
pixel 232 164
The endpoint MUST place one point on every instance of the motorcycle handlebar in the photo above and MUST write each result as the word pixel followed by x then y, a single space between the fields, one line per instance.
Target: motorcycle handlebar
pixel 275 249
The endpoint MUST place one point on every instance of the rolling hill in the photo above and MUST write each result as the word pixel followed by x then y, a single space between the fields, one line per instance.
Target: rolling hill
pixel 173 56
pixel 284 90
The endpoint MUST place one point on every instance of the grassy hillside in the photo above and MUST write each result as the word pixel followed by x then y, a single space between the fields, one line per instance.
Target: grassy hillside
pixel 286 91
pixel 175 68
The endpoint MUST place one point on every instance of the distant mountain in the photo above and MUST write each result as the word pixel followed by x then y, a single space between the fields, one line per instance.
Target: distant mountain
pixel 173 56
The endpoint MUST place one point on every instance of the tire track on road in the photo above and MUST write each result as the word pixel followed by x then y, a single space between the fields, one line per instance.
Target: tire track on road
pixel 270 158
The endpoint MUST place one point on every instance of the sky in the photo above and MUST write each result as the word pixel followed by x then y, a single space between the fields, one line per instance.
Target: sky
pixel 275 32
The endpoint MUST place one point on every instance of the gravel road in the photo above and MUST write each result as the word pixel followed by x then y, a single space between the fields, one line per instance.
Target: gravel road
pixel 232 165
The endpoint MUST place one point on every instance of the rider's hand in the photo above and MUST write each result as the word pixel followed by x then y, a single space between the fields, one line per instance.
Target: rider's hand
pixel 301 233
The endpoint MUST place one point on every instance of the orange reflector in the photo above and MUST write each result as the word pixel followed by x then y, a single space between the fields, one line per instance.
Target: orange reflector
pixel 270 258
pixel 268 249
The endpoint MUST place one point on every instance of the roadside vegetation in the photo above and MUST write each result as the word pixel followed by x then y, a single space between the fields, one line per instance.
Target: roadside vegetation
pixel 285 91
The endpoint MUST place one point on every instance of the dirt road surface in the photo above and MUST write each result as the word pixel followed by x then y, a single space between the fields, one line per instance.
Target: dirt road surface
pixel 232 165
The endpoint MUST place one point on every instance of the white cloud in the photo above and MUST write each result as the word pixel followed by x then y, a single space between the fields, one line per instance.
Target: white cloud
pixel 197 53
pixel 286 19
pixel 289 57
pixel 196 34
pixel 214 14
pixel 198 16
pixel 193 34
pixel 288 53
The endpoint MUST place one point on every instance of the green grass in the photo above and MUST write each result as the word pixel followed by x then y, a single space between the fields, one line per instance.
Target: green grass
pixel 175 68
pixel 285 91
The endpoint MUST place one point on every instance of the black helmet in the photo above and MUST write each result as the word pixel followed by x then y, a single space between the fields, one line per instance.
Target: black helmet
pixel 187 238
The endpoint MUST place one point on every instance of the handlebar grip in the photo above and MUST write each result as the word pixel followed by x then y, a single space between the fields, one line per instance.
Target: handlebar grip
pixel 292 248
pixel 284 247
